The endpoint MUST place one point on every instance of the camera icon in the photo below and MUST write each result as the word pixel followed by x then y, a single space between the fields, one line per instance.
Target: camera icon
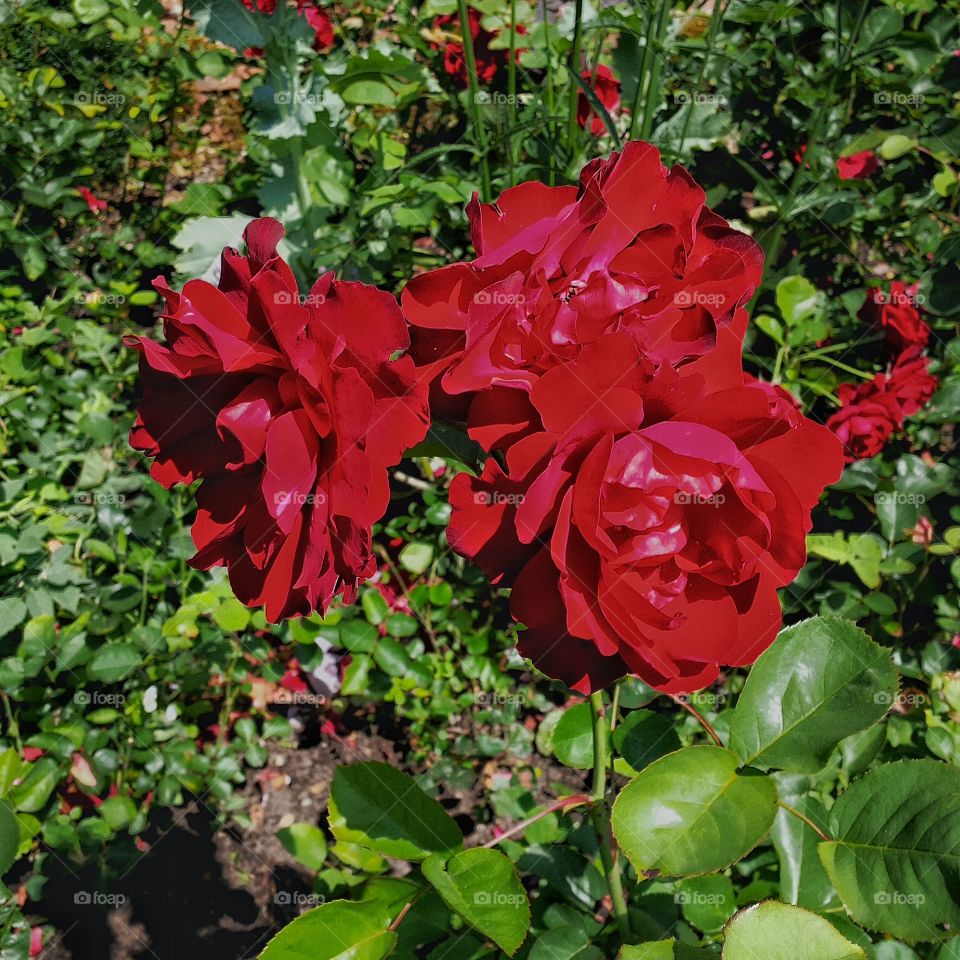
pixel 81 698
pixel 481 899
pixel 683 298
pixel 482 97
pixel 82 898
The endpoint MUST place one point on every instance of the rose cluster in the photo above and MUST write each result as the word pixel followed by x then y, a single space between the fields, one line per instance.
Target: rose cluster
pixel 642 495
pixel 871 412
pixel 644 501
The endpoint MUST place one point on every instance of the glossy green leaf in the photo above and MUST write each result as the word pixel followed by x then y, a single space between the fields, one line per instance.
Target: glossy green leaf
pixel 306 843
pixel 895 853
pixel 692 812
pixel 778 931
pixel 483 887
pixel 9 837
pixel 644 736
pixel 338 930
pixel 112 662
pixel 379 807
pixel 573 737
pixel 821 681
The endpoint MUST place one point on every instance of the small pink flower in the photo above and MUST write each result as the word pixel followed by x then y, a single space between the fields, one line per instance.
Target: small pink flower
pixel 858 166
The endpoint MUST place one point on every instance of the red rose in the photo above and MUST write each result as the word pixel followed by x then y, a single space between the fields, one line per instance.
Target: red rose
pixel 454 60
pixel 871 412
pixel 647 526
pixel 781 399
pixel 290 410
pixel 867 418
pixel 607 88
pixel 857 166
pixel 911 382
pixel 898 316
pixel 634 248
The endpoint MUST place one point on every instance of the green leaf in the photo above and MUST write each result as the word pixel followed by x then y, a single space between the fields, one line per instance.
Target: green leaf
pixel 645 736
pixel 13 611
pixel 896 146
pixel 693 812
pixel 232 616
pixel 798 299
pixel 119 812
pixel 338 930
pixel 112 662
pixel 778 931
pixel 573 737
pixel 803 881
pixel 882 23
pixel 9 838
pixel 895 856
pixel 35 788
pixel 416 558
pixel 707 903
pixel 483 887
pixel 222 21
pixel 670 949
pixel 565 942
pixel 381 808
pixel 821 681
pixel 306 843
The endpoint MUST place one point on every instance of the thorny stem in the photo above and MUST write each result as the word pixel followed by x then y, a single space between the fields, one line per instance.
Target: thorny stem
pixel 600 816
pixel 575 72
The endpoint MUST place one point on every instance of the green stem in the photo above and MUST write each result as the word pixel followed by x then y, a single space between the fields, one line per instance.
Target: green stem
pixel 653 87
pixel 551 103
pixel 575 72
pixel 479 134
pixel 716 19
pixel 600 816
pixel 642 76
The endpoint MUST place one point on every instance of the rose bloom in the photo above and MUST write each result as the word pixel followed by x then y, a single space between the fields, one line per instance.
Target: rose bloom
pixel 290 409
pixel 647 526
pixel 871 412
pixel 897 315
pixel 489 61
pixel 633 248
pixel 911 382
pixel 607 88
pixel 857 166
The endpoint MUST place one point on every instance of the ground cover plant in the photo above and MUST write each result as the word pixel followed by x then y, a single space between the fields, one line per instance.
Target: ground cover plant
pixel 477 480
